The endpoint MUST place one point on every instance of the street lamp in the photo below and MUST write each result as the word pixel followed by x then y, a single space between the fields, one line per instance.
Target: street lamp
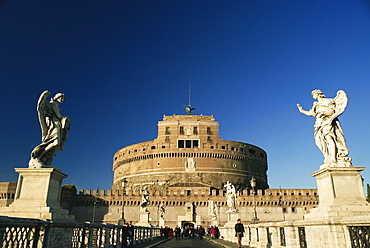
pixel 255 219
pixel 124 184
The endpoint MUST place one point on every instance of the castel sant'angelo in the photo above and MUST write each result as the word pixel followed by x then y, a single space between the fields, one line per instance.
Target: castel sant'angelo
pixel 181 177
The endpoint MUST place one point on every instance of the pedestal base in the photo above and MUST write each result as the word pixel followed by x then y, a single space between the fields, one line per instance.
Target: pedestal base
pixel 232 218
pixel 161 223
pixel 216 223
pixel 144 219
pixel 341 193
pixel 38 195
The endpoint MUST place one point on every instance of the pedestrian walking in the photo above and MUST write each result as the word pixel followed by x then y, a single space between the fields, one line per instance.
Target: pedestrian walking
pixel 239 232
pixel 177 232
pixel 200 232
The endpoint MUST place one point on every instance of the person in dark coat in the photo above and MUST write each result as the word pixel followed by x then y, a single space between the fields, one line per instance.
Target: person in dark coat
pixel 177 232
pixel 200 232
pixel 239 232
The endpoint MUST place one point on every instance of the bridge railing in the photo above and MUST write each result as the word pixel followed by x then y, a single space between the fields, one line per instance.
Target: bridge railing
pixel 32 233
pixel 303 234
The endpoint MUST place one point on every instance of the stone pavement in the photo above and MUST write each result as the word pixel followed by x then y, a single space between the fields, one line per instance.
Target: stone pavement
pixel 187 243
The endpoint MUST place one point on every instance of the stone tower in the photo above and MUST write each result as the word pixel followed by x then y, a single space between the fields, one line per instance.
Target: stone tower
pixel 188 150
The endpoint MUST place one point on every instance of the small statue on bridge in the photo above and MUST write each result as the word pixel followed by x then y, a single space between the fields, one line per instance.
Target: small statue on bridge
pixel 231 197
pixel 144 199
pixel 162 210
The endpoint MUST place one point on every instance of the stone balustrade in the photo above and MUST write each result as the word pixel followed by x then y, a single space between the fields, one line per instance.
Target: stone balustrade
pixel 20 232
pixel 303 234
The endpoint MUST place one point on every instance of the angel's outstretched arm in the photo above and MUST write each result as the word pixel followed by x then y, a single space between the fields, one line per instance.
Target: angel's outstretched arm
pixel 309 112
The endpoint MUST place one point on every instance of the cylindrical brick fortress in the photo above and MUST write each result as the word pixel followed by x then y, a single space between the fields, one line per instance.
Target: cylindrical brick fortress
pixel 188 150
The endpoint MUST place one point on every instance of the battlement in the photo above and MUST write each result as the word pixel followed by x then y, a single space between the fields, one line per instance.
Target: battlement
pixel 188 117
pixel 210 192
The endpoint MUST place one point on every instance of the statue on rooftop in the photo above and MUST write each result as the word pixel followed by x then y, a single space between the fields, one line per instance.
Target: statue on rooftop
pixel 189 109
pixel 328 133
pixel 54 128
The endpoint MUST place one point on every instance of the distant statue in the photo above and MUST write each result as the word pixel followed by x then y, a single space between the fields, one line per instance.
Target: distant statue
pixel 54 128
pixel 214 211
pixel 189 109
pixel 144 199
pixel 231 197
pixel 162 210
pixel 328 133
pixel 189 163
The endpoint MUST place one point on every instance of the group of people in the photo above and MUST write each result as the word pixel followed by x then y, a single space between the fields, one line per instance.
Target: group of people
pixel 185 232
pixel 190 232
pixel 214 232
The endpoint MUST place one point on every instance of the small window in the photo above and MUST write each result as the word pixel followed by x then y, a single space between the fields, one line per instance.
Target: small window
pixel 159 163
pixel 153 147
pixel 181 144
pixel 168 130
pixel 163 147
pixel 223 147
pixel 182 130
pixel 195 143
pixel 209 130
pixel 251 151
pixel 284 210
pixel 294 210
pixel 195 130
pixel 212 147
pixel 188 143
pixel 235 165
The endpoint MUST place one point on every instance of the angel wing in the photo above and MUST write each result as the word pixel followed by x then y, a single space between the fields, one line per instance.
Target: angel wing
pixel 43 110
pixel 340 103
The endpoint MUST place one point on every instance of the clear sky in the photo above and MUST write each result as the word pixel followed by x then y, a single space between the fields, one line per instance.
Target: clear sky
pixel 124 64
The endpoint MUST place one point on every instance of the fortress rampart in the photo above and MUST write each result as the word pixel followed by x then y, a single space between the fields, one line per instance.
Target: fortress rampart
pixel 268 197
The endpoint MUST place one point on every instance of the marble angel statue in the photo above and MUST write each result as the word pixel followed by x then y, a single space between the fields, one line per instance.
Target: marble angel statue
pixel 54 128
pixel 162 210
pixel 231 197
pixel 144 199
pixel 328 133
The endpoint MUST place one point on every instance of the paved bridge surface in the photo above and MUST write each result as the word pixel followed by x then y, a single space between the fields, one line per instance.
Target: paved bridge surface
pixel 187 243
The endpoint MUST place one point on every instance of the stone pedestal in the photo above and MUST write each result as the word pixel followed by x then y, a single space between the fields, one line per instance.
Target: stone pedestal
pixel 232 218
pixel 216 223
pixel 161 222
pixel 143 219
pixel 38 195
pixel 341 193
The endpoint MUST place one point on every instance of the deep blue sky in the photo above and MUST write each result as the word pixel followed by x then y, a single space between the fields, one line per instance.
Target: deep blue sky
pixel 124 64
